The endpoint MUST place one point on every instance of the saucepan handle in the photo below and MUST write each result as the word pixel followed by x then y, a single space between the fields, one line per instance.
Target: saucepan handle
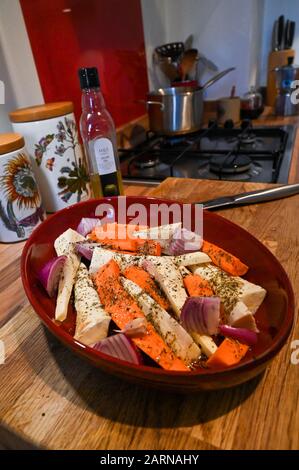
pixel 162 105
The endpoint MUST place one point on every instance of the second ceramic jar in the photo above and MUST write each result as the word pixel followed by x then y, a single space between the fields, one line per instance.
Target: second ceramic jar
pixel 51 138
pixel 20 201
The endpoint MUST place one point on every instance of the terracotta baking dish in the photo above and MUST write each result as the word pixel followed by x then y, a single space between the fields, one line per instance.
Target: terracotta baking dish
pixel 274 318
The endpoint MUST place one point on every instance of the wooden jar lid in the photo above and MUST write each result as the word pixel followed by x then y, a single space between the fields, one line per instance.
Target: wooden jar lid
pixel 10 142
pixel 42 111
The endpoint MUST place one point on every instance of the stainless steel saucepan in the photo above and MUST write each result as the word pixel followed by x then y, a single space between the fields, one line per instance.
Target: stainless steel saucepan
pixel 178 110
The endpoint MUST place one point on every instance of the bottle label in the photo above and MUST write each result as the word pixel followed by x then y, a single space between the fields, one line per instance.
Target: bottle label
pixel 104 156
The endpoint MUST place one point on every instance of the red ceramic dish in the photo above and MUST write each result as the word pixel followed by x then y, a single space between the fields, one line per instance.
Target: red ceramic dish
pixel 274 318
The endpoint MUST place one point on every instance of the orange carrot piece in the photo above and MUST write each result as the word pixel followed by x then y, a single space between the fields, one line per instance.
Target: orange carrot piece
pixel 224 260
pixel 144 280
pixel 123 252
pixel 117 231
pixel 197 286
pixel 148 247
pixel 92 236
pixel 120 245
pixel 229 353
pixel 123 309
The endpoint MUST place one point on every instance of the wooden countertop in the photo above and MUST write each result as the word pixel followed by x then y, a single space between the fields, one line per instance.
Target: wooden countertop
pixel 49 398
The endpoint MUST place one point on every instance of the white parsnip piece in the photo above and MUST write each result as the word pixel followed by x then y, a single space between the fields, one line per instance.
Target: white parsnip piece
pixel 231 289
pixel 170 280
pixel 92 320
pixel 65 245
pixel 101 256
pixel 189 259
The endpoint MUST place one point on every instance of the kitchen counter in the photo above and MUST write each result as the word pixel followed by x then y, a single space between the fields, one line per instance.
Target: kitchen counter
pixel 268 119
pixel 49 398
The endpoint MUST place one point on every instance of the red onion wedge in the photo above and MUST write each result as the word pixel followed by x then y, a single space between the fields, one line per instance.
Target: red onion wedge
pixel 85 249
pixel 241 334
pixel 201 315
pixel 86 225
pixel 184 241
pixel 50 273
pixel 121 347
pixel 135 328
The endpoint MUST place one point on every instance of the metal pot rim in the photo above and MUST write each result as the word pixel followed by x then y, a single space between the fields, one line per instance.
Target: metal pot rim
pixel 175 91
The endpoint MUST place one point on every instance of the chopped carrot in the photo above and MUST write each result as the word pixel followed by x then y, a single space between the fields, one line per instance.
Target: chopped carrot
pixel 120 245
pixel 92 236
pixel 119 237
pixel 197 286
pixel 144 280
pixel 229 353
pixel 116 231
pixel 148 247
pixel 122 252
pixel 224 260
pixel 123 309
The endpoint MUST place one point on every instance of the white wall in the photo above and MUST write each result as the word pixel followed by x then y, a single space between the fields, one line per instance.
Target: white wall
pixel 229 32
pixel 226 31
pixel 17 67
pixel 273 9
pixel 154 26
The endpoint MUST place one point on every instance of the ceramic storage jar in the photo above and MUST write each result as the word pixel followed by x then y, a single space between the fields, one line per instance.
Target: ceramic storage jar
pixel 20 199
pixel 51 138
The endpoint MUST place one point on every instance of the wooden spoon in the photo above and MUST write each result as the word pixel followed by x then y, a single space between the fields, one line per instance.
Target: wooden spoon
pixel 188 62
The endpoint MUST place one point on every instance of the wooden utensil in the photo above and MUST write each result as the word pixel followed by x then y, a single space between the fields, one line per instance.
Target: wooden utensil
pixel 169 69
pixel 188 62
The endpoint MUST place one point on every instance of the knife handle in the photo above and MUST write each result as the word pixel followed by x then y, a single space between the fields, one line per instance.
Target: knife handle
pixel 275 43
pixel 280 31
pixel 287 35
pixel 267 194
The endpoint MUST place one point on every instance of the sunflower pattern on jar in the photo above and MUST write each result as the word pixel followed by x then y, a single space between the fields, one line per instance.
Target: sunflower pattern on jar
pixel 20 201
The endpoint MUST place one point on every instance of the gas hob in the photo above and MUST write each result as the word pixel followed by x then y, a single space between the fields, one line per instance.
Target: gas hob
pixel 253 154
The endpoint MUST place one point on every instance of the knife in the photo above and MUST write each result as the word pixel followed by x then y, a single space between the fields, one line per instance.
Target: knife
pixel 275 36
pixel 287 34
pixel 252 197
pixel 291 34
pixel 280 31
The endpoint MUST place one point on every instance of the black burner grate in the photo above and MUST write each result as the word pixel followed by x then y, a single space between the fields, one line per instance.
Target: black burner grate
pixel 250 154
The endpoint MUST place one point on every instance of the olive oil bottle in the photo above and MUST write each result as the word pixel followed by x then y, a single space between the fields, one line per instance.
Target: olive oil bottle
pixel 99 137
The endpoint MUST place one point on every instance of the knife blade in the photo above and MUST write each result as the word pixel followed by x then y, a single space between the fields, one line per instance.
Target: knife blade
pixel 252 197
pixel 275 36
pixel 291 35
pixel 280 31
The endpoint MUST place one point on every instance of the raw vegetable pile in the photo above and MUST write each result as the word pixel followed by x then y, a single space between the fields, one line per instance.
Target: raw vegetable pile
pixel 160 292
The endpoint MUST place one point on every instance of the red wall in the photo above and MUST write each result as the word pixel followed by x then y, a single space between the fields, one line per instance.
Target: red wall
pixel 107 34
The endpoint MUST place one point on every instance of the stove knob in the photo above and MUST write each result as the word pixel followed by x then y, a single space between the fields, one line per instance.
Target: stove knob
pixel 229 124
pixel 246 124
